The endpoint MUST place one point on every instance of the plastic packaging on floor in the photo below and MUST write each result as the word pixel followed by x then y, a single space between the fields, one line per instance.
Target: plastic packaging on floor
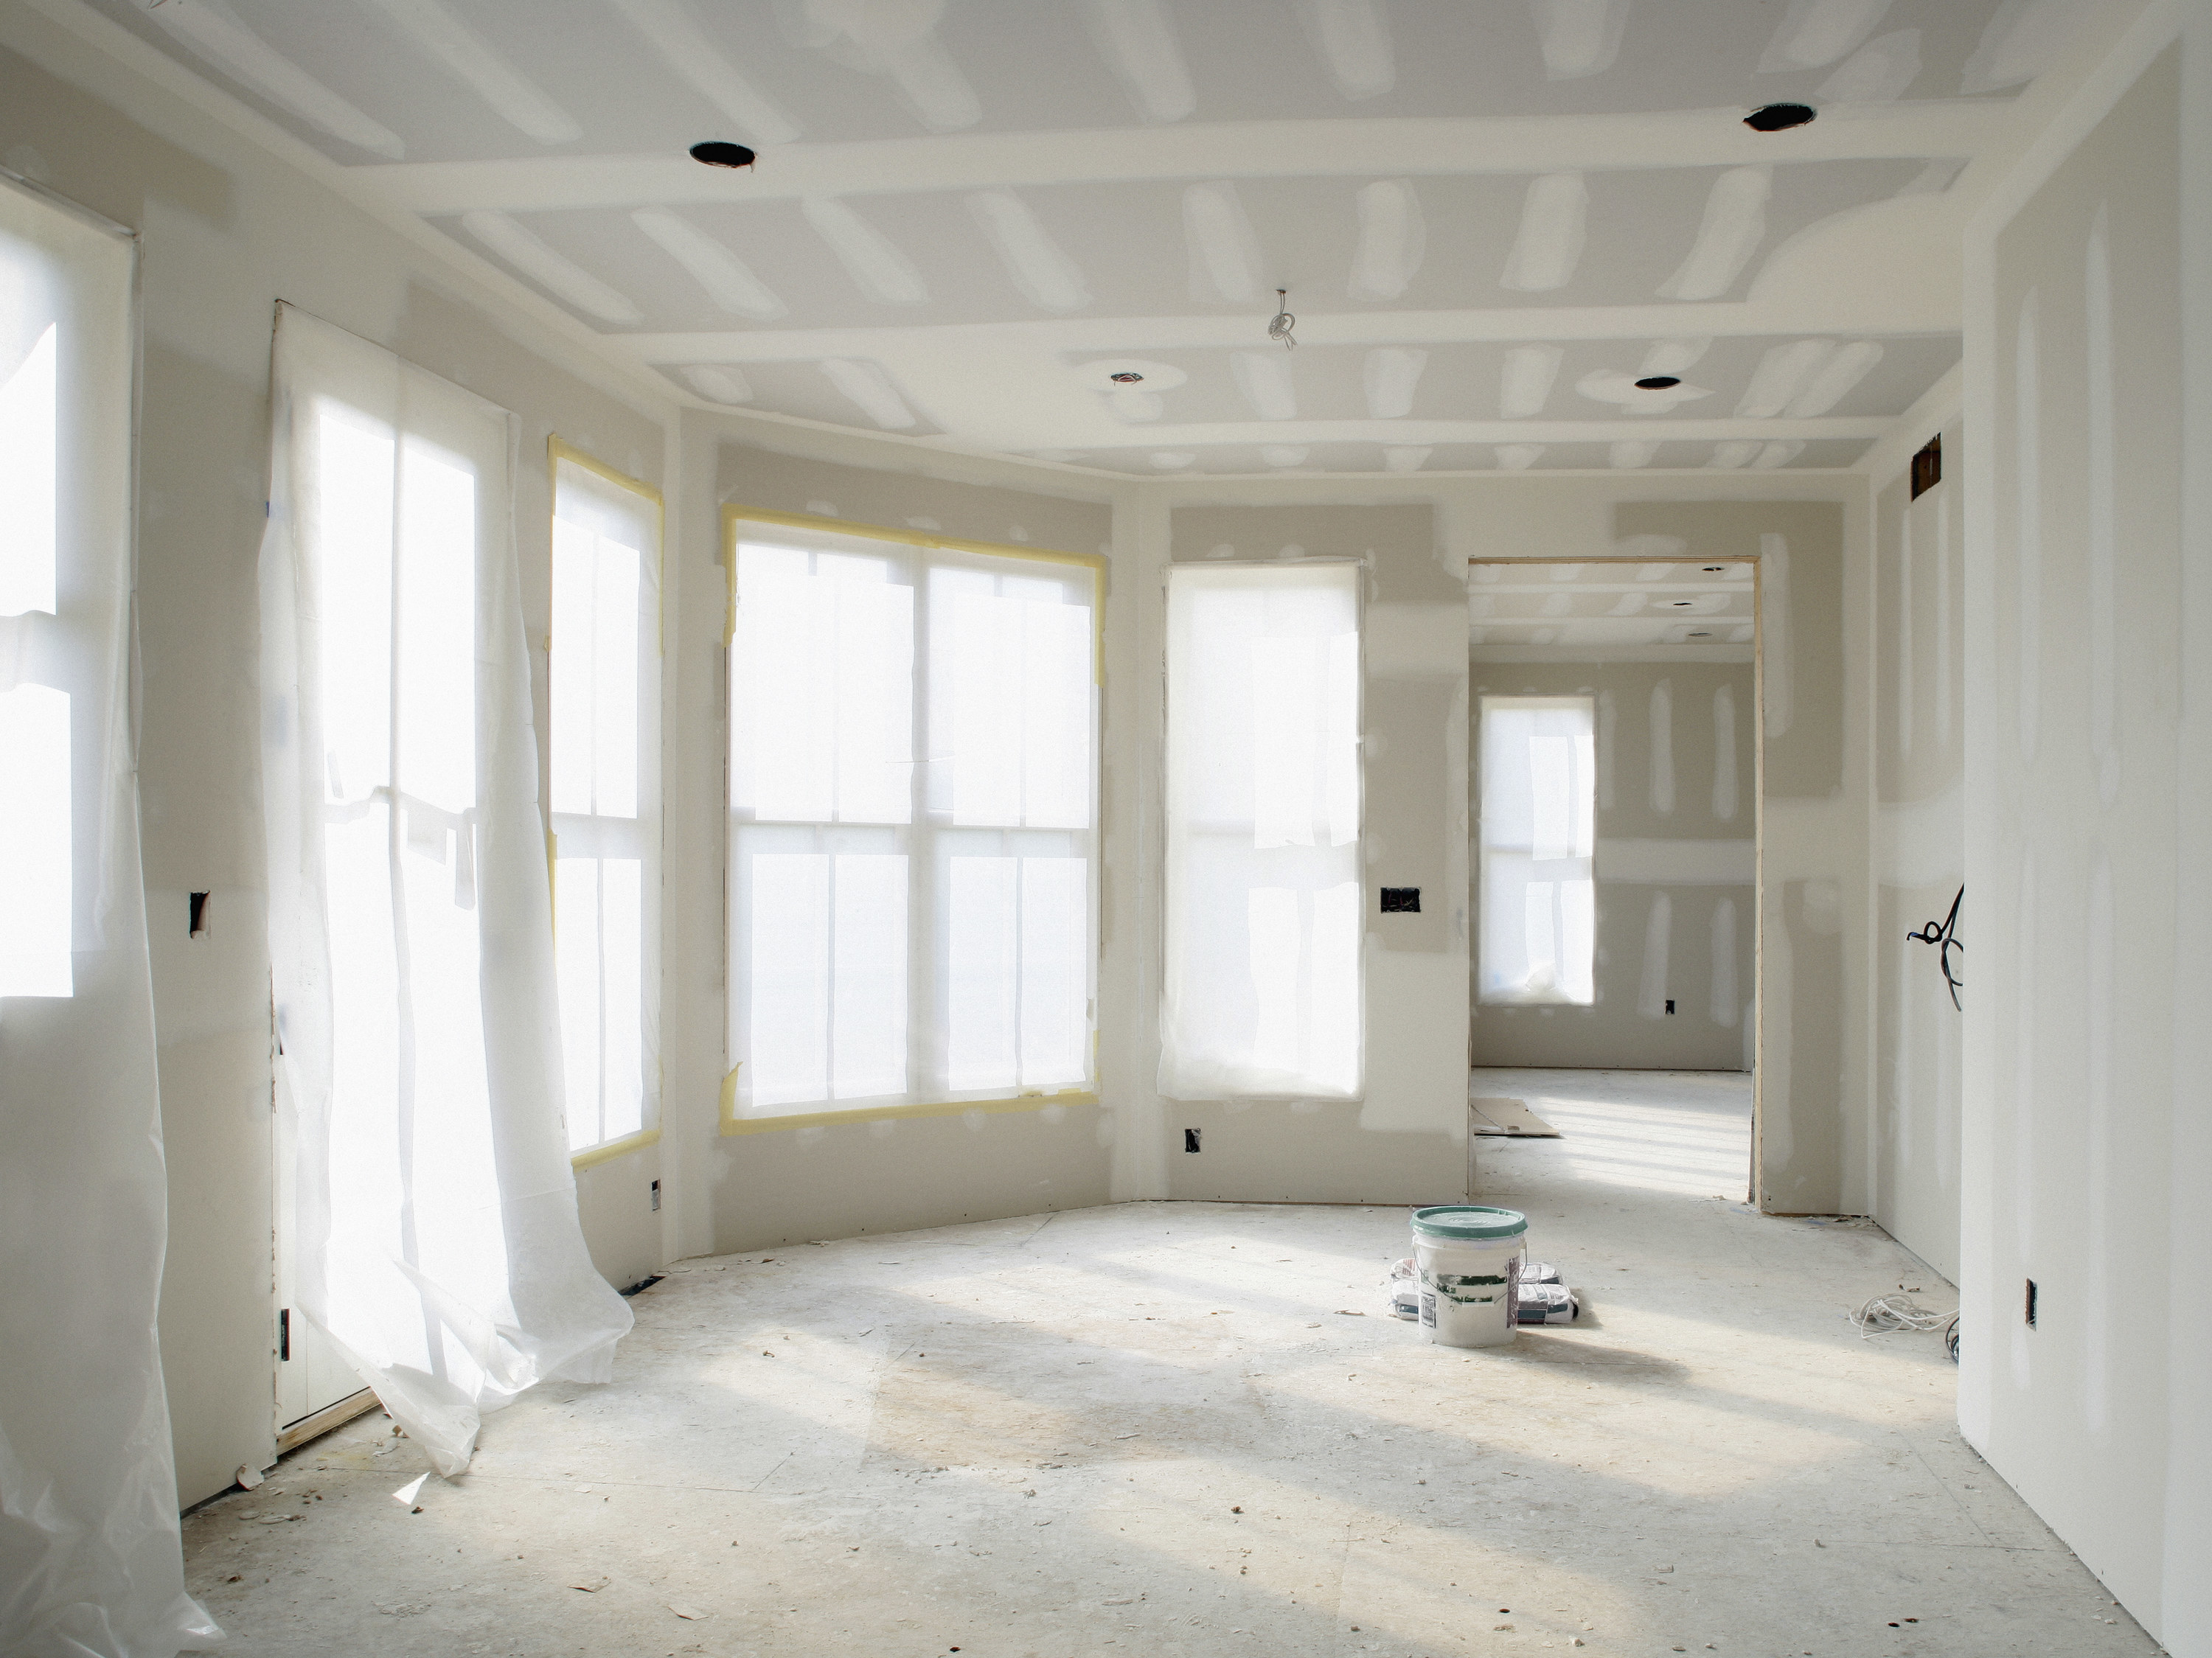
pixel 1546 1303
pixel 1542 1298
pixel 1403 1281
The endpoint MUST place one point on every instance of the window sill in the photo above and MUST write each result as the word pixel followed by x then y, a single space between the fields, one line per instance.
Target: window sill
pixel 733 1123
pixel 592 1155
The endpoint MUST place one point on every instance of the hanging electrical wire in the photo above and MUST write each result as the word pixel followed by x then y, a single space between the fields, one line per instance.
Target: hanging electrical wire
pixel 1283 322
pixel 1944 935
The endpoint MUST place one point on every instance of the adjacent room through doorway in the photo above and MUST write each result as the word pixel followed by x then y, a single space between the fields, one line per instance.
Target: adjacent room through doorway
pixel 1613 711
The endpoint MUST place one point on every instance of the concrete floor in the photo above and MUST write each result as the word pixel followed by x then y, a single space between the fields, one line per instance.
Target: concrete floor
pixel 966 1439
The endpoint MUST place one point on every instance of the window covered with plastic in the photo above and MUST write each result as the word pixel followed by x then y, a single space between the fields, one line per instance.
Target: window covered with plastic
pixel 1539 930
pixel 603 677
pixel 914 762
pixel 1264 985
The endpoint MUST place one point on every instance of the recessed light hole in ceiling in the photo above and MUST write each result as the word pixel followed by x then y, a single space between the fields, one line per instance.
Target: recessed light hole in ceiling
pixel 1125 378
pixel 1779 117
pixel 720 152
pixel 1658 382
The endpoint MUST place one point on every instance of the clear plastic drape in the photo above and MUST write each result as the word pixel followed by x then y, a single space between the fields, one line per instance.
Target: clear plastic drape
pixel 1263 990
pixel 410 928
pixel 90 1565
pixel 1539 933
pixel 603 679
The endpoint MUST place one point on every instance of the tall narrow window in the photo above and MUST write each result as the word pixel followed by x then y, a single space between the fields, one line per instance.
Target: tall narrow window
pixel 605 684
pixel 1263 988
pixel 1539 907
pixel 913 756
pixel 35 873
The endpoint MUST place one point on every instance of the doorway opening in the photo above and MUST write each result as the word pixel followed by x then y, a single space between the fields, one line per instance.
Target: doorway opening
pixel 1615 744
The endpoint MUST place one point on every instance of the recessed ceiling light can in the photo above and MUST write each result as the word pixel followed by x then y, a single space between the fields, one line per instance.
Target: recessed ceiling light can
pixel 1125 378
pixel 1658 382
pixel 720 152
pixel 1779 117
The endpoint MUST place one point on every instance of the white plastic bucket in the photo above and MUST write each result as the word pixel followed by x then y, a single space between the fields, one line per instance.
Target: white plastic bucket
pixel 1469 1260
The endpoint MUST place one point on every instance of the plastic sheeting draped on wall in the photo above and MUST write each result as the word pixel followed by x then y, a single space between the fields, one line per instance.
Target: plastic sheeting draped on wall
pixel 410 931
pixel 89 1556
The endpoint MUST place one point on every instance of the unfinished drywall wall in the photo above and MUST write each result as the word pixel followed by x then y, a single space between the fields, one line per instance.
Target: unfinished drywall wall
pixel 227 230
pixel 1676 855
pixel 1405 1142
pixel 2086 1146
pixel 1919 846
pixel 779 1184
pixel 1816 806
pixel 1815 800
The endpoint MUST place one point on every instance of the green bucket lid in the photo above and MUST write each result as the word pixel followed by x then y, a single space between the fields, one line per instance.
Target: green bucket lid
pixel 1468 1221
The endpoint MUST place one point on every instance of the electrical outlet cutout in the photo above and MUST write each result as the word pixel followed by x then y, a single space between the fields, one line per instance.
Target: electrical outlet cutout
pixel 1190 1139
pixel 656 1197
pixel 1670 1007
pixel 197 915
pixel 1401 900
pixel 2030 1303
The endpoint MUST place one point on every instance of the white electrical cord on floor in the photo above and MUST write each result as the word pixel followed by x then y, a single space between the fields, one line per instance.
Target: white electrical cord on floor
pixel 1897 1312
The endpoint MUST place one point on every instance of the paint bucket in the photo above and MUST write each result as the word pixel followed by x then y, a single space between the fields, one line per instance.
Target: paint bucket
pixel 1469 1257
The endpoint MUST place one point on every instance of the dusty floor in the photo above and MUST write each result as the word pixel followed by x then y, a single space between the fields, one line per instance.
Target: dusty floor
pixel 967 1440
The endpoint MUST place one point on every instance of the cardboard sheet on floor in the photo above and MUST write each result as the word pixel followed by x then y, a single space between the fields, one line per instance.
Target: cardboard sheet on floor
pixel 1494 1115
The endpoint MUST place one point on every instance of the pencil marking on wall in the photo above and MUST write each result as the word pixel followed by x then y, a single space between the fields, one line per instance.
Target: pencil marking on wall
pixel 2097 302
pixel 2096 1347
pixel 1722 1004
pixel 1724 783
pixel 2027 528
pixel 1662 748
pixel 1774 620
pixel 1658 925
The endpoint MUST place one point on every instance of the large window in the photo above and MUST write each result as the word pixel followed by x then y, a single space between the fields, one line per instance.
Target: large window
pixel 1539 903
pixel 35 860
pixel 1263 992
pixel 603 736
pixel 914 764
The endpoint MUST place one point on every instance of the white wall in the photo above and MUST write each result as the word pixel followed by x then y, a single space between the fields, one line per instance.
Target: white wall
pixel 1919 849
pixel 1815 1012
pixel 226 230
pixel 2087 1140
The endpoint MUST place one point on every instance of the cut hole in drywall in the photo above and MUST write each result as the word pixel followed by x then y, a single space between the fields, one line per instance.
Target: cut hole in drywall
pixel 1401 900
pixel 1927 466
pixel 197 915
pixel 1190 1139
pixel 2030 1308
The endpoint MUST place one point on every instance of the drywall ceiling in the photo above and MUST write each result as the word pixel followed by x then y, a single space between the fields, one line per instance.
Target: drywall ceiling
pixel 1611 605
pixel 971 220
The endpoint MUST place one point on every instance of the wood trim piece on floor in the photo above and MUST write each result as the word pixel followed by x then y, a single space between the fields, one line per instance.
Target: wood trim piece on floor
pixel 329 1417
